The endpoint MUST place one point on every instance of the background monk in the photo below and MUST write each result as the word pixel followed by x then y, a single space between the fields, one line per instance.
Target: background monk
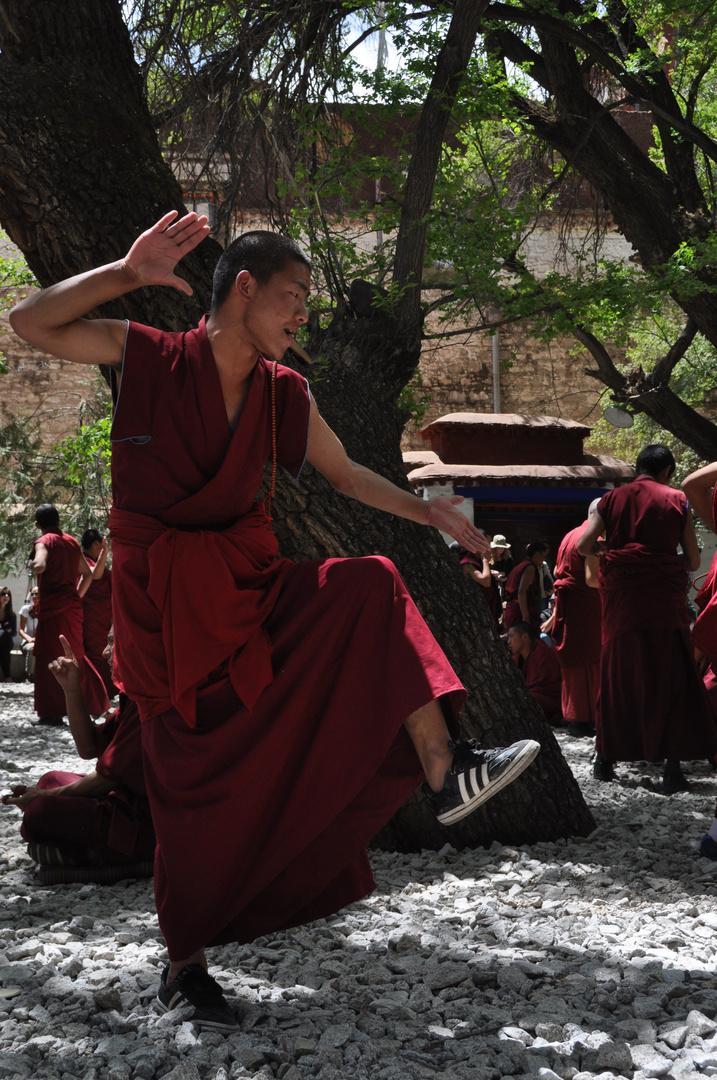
pixel 97 605
pixel 576 631
pixel 652 703
pixel 63 578
pixel 540 667
pixel 287 710
pixel 96 827
pixel 522 588
pixel 479 569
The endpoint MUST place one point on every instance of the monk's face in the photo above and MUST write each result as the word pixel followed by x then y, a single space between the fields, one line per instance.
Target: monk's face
pixel 517 641
pixel 277 309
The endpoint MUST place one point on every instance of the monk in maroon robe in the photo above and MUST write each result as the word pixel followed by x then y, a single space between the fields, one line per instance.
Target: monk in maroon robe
pixel 540 667
pixel 97 606
pixel 522 588
pixel 652 704
pixel 287 709
pixel 58 562
pixel 577 632
pixel 96 822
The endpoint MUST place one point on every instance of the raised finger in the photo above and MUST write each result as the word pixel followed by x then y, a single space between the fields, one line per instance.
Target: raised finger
pixel 67 648
pixel 164 222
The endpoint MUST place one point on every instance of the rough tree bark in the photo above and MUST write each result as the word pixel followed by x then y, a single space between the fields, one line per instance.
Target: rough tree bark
pixel 80 175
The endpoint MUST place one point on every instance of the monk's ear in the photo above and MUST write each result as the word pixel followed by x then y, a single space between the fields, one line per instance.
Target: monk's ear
pixel 244 285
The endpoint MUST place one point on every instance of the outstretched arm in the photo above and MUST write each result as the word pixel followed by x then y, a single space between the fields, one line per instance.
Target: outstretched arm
pixel 85 575
pixel 53 319
pixel 698 487
pixel 326 453
pixel 92 786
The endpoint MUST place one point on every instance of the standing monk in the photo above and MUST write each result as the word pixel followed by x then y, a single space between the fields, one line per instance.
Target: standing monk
pixel 288 710
pixel 63 578
pixel 522 588
pixel 652 704
pixel 97 605
pixel 577 631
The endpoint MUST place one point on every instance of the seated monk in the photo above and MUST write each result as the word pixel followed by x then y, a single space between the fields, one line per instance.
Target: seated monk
pixel 96 827
pixel 541 669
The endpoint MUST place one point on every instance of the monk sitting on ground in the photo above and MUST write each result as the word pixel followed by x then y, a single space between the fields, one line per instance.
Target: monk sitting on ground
pixel 96 827
pixel 540 667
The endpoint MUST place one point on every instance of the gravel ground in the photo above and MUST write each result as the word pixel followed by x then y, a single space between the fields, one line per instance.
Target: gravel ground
pixel 591 957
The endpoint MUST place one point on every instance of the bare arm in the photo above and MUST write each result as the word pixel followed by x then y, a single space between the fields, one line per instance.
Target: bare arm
pixel 698 487
pixel 21 630
pixel 67 672
pixel 99 568
pixel 483 576
pixel 92 786
pixel 53 318
pixel 688 542
pixel 590 543
pixel 527 579
pixel 592 571
pixel 326 453
pixel 38 564
pixel 83 569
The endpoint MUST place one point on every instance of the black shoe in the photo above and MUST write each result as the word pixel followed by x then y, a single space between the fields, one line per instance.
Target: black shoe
pixel 708 848
pixel 51 721
pixel 602 769
pixel 476 775
pixel 673 781
pixel 197 987
pixel 580 730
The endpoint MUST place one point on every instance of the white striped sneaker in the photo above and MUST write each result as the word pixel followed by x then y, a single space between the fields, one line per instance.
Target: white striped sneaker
pixel 476 775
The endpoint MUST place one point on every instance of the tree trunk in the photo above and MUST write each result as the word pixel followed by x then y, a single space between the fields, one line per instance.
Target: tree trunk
pixel 81 175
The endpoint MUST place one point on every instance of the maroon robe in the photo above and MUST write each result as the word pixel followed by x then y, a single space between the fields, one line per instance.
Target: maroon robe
pixel 652 703
pixel 512 613
pixel 577 632
pixel 272 695
pixel 97 622
pixel 541 672
pixel 116 827
pixel 59 611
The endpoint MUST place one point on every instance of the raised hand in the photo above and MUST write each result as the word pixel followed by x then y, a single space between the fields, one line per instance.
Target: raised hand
pixel 66 669
pixel 154 255
pixel 443 514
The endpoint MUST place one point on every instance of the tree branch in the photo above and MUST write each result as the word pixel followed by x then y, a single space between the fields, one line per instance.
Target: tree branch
pixel 660 375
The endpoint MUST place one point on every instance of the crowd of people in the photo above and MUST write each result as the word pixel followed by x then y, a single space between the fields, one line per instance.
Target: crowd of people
pixel 607 644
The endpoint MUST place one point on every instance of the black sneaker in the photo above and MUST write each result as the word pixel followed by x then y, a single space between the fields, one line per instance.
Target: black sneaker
pixel 197 987
pixel 476 775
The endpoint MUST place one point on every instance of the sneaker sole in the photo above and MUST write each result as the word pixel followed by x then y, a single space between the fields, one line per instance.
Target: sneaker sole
pixel 527 754
pixel 212 1025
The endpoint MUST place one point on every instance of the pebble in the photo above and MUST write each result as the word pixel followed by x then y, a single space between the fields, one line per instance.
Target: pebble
pixel 576 959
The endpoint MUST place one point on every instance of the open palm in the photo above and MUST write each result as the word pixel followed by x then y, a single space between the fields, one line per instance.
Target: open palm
pixel 154 255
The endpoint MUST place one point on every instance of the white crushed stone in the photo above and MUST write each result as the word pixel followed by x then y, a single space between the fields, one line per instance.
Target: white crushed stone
pixel 578 959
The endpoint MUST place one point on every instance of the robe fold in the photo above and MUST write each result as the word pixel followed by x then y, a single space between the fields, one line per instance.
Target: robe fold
pixel 59 611
pixel 577 632
pixel 96 624
pixel 272 694
pixel 652 702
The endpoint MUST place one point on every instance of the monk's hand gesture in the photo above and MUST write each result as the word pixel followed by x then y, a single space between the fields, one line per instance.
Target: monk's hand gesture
pixel 66 669
pixel 153 256
pixel 443 514
pixel 21 796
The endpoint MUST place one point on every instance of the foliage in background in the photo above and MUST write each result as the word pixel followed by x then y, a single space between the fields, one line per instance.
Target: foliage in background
pixel 15 275
pixel 73 474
